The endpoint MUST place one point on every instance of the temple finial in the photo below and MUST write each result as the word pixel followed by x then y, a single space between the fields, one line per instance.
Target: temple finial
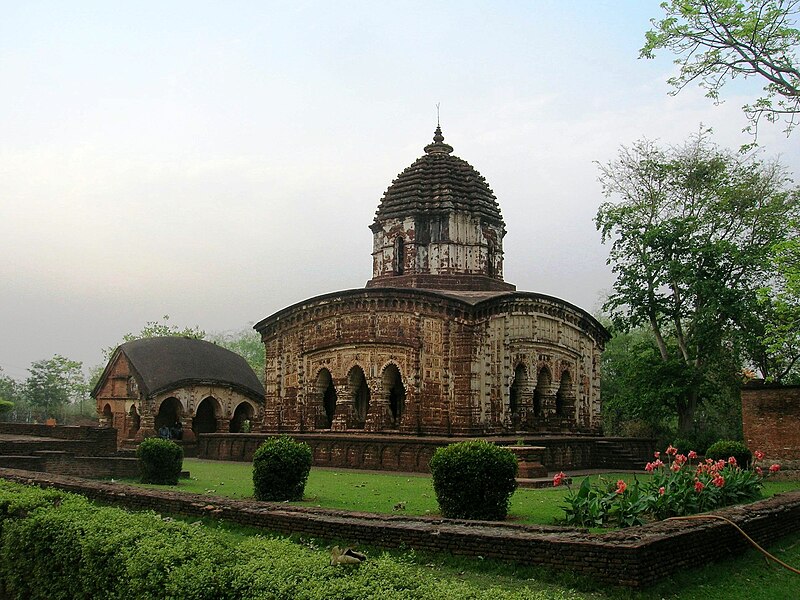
pixel 437 114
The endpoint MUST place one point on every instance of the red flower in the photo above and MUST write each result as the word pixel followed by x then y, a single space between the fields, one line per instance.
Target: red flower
pixel 775 468
pixel 649 467
pixel 661 490
pixel 718 481
pixel 758 454
pixel 621 486
pixel 692 454
pixel 676 466
pixel 672 450
pixel 721 464
pixel 656 454
pixel 657 463
pixel 760 471
pixel 698 486
pixel 680 459
pixel 559 478
pixel 732 461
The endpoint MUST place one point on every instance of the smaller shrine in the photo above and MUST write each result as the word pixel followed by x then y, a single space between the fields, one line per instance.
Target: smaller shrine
pixel 177 387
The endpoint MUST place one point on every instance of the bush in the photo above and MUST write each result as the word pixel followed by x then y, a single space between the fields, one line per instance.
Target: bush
pixel 724 449
pixel 160 461
pixel 59 546
pixel 280 469
pixel 474 480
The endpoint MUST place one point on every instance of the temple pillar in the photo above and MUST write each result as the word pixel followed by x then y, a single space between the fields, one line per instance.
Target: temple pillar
pixel 344 415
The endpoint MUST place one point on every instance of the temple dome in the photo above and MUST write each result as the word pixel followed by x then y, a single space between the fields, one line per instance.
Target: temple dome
pixel 439 182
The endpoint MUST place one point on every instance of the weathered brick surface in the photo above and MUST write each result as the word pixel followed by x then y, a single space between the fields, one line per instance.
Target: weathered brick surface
pixel 634 557
pixel 413 453
pixel 771 421
pixel 86 441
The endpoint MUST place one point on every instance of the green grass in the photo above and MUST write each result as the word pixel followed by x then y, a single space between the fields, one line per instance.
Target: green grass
pixel 746 577
pixel 382 492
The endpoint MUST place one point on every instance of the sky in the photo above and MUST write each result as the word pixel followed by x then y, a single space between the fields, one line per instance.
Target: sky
pixel 216 162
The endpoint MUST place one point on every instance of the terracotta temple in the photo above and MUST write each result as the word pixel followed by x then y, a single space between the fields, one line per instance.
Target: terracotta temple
pixel 437 342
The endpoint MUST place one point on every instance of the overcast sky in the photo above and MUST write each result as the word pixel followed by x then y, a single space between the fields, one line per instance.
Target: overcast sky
pixel 219 161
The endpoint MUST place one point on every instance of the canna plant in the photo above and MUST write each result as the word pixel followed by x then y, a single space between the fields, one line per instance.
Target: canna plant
pixel 676 487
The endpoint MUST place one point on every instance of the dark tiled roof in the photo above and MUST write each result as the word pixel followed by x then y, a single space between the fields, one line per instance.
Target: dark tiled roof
pixel 164 363
pixel 439 182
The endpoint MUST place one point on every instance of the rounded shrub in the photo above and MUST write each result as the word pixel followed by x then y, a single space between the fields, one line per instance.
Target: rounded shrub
pixel 474 480
pixel 280 469
pixel 724 449
pixel 160 461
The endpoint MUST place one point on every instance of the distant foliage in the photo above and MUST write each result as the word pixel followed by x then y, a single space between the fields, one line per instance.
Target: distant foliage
pixel 474 480
pixel 280 469
pixel 724 449
pixel 160 461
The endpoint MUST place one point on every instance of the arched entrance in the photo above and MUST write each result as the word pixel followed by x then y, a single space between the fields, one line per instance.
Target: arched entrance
pixel 396 391
pixel 134 421
pixel 242 414
pixel 326 392
pixel 108 415
pixel 205 419
pixel 168 416
pixel 359 389
pixel 563 395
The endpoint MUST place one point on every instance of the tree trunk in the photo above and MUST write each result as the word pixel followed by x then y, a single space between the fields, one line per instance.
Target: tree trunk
pixel 686 414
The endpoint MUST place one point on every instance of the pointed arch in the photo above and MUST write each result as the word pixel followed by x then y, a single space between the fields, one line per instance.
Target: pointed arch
pixel 169 412
pixel 134 420
pixel 325 393
pixel 244 412
pixel 392 383
pixel 399 255
pixel 108 415
pixel 359 391
pixel 516 390
pixel 207 415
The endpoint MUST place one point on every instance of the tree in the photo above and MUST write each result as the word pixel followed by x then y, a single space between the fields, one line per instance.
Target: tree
pixel 151 329
pixel 54 383
pixel 246 343
pixel 158 329
pixel 719 40
pixel 694 232
pixel 9 392
pixel 775 347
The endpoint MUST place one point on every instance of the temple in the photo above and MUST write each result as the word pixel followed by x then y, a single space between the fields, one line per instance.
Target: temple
pixel 437 343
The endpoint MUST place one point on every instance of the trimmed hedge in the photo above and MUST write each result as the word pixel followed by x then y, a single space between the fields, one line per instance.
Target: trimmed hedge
pixel 280 469
pixel 160 461
pixel 724 449
pixel 474 480
pixel 55 545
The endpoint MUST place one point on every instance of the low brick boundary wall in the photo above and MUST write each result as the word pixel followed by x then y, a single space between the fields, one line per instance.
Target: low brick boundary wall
pixel 413 453
pixel 83 440
pixel 634 557
pixel 66 463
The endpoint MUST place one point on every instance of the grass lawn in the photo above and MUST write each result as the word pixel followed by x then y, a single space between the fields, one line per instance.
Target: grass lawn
pixel 749 576
pixel 381 492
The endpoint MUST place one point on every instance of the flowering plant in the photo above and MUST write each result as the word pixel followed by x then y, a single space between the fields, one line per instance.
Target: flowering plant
pixel 675 488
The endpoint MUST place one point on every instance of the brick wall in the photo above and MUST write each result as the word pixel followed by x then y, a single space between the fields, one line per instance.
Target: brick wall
pixel 66 463
pixel 93 441
pixel 413 453
pixel 771 421
pixel 634 557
